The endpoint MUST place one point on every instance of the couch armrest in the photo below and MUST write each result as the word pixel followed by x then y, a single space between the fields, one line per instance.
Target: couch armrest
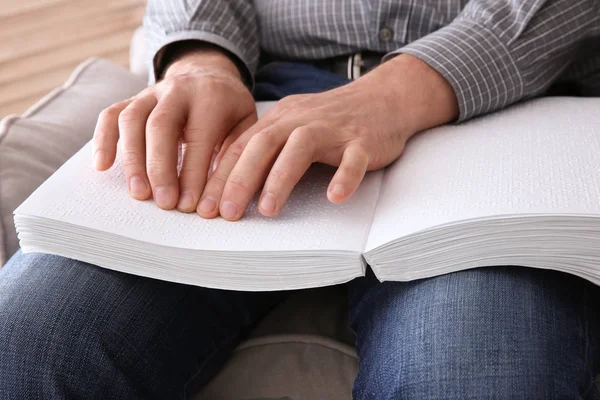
pixel 34 145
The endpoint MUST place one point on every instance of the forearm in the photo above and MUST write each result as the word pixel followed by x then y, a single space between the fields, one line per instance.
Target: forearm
pixel 426 97
pixel 498 52
pixel 414 95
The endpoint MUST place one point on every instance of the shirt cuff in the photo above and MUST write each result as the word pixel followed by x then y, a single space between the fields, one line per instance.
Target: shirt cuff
pixel 474 61
pixel 158 45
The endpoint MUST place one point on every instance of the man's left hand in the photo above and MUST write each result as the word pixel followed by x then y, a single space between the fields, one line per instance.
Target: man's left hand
pixel 359 127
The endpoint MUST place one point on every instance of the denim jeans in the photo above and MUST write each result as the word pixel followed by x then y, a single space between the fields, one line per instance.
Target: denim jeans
pixel 71 330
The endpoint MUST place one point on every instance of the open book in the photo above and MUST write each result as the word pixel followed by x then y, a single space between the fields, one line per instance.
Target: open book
pixel 518 187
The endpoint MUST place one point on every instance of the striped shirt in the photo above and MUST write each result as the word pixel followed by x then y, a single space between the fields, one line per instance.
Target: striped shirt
pixel 492 52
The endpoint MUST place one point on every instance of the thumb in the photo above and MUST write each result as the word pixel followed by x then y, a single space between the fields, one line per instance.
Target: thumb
pixel 349 174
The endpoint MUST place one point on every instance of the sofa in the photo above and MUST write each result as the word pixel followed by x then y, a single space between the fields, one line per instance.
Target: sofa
pixel 302 350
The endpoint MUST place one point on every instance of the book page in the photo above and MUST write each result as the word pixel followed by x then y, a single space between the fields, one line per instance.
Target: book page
pixel 540 157
pixel 78 194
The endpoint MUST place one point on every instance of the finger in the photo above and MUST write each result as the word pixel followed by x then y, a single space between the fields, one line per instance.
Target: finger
pixel 204 129
pixel 249 173
pixel 193 173
pixel 349 174
pixel 132 128
pixel 163 130
pixel 106 136
pixel 294 160
pixel 224 145
pixel 226 141
pixel 211 196
pixel 251 130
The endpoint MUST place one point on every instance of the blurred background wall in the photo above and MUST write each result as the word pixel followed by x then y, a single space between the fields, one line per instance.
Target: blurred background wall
pixel 42 41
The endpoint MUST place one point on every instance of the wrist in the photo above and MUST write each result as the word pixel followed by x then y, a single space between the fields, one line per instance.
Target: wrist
pixel 203 57
pixel 416 93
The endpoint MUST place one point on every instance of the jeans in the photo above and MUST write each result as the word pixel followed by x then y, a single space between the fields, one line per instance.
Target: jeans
pixel 71 330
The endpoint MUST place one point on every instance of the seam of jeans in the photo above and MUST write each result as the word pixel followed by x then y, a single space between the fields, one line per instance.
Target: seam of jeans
pixel 355 306
pixel 237 338
pixel 199 370
pixel 592 390
pixel 216 349
pixel 107 327
pixel 119 354
pixel 588 340
pixel 589 364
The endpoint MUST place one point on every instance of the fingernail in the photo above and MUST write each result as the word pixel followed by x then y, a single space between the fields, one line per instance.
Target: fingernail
pixel 137 186
pixel 186 201
pixel 267 203
pixel 228 210
pixel 337 189
pixel 162 196
pixel 99 159
pixel 207 205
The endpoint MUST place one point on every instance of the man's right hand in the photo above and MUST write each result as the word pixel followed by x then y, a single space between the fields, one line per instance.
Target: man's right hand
pixel 201 102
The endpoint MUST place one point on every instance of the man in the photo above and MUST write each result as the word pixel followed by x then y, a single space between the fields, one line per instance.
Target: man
pixel 72 330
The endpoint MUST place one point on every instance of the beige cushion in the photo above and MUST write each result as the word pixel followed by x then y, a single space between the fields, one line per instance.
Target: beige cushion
pixel 34 145
pixel 301 350
pixel 292 366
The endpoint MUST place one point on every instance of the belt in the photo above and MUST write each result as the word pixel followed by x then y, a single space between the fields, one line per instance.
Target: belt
pixel 351 66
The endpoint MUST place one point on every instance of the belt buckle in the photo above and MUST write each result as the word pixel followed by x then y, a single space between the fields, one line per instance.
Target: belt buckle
pixel 355 63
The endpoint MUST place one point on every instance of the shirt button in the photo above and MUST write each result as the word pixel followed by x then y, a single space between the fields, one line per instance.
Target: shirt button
pixel 386 34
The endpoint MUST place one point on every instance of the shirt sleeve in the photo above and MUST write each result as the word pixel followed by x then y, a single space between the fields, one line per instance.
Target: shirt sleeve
pixel 229 24
pixel 497 52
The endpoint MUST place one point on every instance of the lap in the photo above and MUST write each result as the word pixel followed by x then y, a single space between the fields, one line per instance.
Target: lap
pixel 90 332
pixel 73 330
pixel 508 331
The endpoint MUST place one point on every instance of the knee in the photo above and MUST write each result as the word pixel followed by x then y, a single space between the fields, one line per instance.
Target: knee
pixel 480 334
pixel 50 325
pixel 47 299
pixel 431 371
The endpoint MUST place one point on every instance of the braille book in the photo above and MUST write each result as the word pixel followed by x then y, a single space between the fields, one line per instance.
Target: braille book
pixel 517 187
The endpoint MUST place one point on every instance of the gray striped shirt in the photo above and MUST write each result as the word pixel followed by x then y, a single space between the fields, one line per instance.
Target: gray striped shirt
pixel 493 52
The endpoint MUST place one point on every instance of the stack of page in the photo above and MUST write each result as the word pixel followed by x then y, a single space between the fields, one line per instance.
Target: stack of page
pixel 517 187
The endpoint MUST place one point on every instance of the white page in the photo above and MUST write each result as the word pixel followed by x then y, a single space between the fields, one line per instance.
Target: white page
pixel 99 200
pixel 540 157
